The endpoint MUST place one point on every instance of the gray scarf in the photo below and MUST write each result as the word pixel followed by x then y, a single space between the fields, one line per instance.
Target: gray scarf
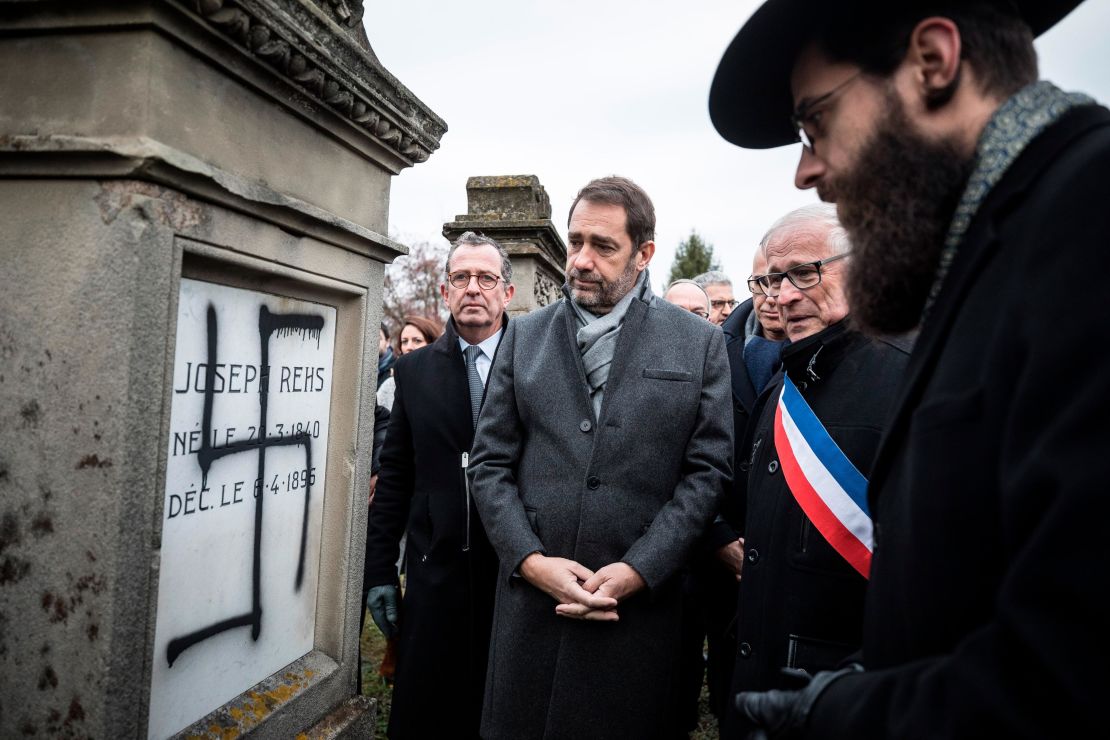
pixel 597 337
pixel 1010 129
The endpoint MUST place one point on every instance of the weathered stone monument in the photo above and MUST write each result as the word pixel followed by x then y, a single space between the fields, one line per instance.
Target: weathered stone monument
pixel 515 210
pixel 195 194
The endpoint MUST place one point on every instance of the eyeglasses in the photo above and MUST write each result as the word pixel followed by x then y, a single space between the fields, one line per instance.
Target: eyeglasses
pixel 718 305
pixel 461 280
pixel 802 277
pixel 700 312
pixel 807 121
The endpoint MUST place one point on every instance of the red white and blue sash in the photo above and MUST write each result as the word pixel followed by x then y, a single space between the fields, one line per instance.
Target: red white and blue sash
pixel 831 492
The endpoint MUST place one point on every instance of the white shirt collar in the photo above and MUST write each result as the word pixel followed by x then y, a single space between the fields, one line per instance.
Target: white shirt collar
pixel 489 345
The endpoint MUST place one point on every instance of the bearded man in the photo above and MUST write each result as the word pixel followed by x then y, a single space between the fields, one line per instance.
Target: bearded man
pixel 602 453
pixel 966 186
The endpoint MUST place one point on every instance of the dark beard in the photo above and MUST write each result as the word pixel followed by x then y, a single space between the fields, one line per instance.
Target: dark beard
pixel 896 206
pixel 608 294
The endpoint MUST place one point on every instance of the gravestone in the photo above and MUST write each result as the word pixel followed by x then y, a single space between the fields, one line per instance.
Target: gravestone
pixel 515 210
pixel 195 196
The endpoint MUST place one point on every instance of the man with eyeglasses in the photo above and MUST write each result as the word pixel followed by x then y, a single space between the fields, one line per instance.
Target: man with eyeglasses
pixel 801 595
pixel 967 185
pixel 689 296
pixel 602 454
pixel 721 300
pixel 443 624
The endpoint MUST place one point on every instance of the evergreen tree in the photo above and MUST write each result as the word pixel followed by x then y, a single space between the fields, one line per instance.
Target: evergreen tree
pixel 694 256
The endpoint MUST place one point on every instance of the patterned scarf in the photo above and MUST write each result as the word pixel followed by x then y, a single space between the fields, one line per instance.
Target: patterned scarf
pixel 597 337
pixel 1013 126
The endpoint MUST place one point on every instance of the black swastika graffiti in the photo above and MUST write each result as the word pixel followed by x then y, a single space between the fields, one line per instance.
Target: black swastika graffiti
pixel 269 325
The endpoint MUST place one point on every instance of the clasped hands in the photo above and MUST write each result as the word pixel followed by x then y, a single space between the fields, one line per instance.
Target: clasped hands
pixel 581 592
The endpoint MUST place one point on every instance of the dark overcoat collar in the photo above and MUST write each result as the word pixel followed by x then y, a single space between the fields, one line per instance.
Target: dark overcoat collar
pixel 979 244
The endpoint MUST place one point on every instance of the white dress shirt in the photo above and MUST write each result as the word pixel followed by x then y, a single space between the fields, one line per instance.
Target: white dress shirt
pixel 485 359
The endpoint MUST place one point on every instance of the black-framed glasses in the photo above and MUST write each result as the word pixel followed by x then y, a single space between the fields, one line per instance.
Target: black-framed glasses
pixel 720 304
pixel 807 120
pixel 461 280
pixel 802 277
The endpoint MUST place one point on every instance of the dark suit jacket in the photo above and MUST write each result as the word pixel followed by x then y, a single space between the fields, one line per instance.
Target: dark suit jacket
pixel 448 604
pixel 638 485
pixel 987 608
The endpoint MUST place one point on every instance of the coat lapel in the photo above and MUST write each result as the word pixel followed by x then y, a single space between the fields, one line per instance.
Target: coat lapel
pixel 742 389
pixel 452 386
pixel 978 246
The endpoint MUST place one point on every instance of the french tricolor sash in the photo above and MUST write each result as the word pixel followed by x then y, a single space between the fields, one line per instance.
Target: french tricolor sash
pixel 831 492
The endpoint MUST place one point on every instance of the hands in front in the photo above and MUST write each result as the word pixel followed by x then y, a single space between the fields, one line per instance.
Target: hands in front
pixel 582 593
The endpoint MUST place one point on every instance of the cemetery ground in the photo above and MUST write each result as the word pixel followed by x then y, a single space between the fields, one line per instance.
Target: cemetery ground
pixel 373 685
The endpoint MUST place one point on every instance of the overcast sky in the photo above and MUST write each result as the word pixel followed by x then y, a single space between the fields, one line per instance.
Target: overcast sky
pixel 573 90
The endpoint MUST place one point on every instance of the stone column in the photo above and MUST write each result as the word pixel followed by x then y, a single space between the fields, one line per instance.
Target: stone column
pixel 515 210
pixel 195 196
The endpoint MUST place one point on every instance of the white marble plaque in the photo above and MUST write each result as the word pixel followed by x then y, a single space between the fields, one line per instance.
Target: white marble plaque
pixel 244 496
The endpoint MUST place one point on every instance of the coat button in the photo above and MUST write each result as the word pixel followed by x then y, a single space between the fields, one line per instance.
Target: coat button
pixel 772 467
pixel 585 425
pixel 744 466
pixel 593 483
pixel 745 650
pixel 752 555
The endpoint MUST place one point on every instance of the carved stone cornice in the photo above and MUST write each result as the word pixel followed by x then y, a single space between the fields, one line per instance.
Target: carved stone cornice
pixel 310 44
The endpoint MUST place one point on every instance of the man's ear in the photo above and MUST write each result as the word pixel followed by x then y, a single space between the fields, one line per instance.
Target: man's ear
pixel 644 255
pixel 934 55
pixel 443 291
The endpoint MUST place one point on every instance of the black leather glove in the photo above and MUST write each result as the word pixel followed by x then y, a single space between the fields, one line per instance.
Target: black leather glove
pixel 382 603
pixel 782 715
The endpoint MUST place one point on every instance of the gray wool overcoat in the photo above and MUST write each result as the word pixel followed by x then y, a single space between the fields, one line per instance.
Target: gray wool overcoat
pixel 639 484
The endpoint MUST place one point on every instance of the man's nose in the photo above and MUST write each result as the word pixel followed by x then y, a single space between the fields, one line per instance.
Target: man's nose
pixel 810 170
pixel 583 260
pixel 787 294
pixel 472 287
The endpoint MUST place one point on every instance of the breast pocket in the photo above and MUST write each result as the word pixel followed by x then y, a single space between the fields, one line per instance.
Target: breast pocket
pixel 952 450
pixel 661 374
pixel 661 398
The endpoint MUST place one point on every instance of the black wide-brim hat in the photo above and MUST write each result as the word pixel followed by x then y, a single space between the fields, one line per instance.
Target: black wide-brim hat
pixel 750 100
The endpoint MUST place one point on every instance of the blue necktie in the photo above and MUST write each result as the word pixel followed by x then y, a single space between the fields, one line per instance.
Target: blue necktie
pixel 477 388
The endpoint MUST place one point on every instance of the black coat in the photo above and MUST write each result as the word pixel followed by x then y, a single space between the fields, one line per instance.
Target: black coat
pixel 637 484
pixel 448 605
pixel 714 587
pixel 801 603
pixel 987 611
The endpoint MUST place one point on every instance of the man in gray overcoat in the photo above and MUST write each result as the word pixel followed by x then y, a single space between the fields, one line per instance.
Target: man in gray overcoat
pixel 602 453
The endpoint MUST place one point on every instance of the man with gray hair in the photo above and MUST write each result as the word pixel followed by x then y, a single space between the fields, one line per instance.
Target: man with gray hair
pixel 443 625
pixel 601 456
pixel 719 289
pixel 799 498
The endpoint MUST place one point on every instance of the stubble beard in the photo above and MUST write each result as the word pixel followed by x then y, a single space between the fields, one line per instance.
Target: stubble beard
pixel 896 205
pixel 609 293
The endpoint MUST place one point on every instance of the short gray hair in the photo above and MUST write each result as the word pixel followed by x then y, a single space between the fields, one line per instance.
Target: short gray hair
pixel 713 277
pixel 685 281
pixel 470 239
pixel 810 219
